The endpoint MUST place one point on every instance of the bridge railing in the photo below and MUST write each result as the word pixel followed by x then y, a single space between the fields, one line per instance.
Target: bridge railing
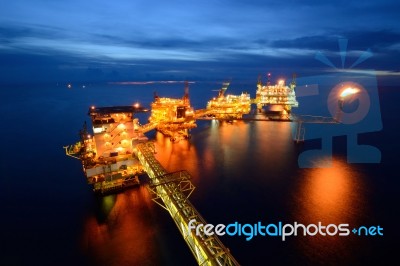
pixel 171 191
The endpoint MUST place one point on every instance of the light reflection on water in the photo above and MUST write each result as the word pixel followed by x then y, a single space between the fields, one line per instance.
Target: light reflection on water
pixel 253 166
pixel 122 232
pixel 177 156
pixel 334 195
pixel 246 171
pixel 330 194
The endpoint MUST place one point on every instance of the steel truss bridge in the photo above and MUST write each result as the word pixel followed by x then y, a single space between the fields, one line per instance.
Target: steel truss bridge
pixel 171 191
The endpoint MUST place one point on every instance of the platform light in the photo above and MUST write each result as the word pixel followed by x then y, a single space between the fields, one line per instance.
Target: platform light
pixel 98 129
pixel 136 105
pixel 189 113
pixel 348 91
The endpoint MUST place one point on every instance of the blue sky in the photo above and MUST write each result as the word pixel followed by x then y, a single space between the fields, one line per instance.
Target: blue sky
pixel 60 41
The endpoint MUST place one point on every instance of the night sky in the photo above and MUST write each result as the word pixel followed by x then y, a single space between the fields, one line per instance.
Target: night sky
pixel 104 41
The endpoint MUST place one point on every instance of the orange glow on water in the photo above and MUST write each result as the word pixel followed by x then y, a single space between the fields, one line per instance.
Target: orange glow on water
pixel 177 156
pixel 123 233
pixel 331 196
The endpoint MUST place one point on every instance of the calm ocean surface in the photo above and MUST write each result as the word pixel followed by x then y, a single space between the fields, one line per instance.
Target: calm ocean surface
pixel 245 172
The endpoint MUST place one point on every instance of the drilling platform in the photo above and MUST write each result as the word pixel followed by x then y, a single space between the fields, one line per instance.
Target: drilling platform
pixel 229 106
pixel 173 117
pixel 279 97
pixel 118 152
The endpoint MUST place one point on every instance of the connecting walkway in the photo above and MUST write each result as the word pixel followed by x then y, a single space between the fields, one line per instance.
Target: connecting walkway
pixel 171 191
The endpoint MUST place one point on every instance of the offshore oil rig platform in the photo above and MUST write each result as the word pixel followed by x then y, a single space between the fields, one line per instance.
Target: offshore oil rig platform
pixel 117 152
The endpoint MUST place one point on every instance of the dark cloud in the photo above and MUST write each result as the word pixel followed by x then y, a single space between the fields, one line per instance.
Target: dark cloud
pixel 13 32
pixel 359 40
pixel 325 42
pixel 240 39
pixel 68 68
pixel 377 40
pixel 163 43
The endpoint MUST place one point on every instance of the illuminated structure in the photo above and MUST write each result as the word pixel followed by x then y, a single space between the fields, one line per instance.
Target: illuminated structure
pixel 173 117
pixel 107 156
pixel 229 106
pixel 279 96
pixel 171 191
pixel 114 156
